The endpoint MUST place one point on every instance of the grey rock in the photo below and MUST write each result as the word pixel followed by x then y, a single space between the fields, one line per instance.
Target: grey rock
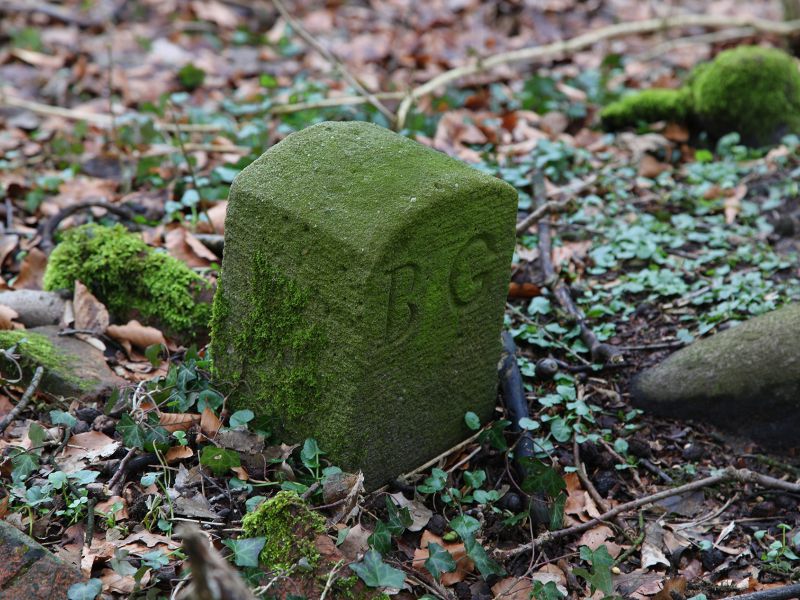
pixel 745 379
pixel 35 308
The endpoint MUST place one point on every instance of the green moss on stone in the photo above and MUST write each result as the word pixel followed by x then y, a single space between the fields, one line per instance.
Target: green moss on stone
pixel 289 526
pixel 750 90
pixel 35 350
pixel 647 106
pixel 276 342
pixel 132 279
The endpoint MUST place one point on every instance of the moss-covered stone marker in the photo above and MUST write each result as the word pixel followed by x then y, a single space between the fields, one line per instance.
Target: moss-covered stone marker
pixel 362 294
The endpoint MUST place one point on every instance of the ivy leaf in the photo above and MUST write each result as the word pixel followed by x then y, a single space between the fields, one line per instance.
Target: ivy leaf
pixel 485 564
pixel 434 483
pixel 600 576
pixel 241 417
pixel 85 591
pixel 310 454
pixel 133 435
pixel 23 464
pixel 439 560
pixel 376 573
pixel 246 550
pixel 472 420
pixel 546 591
pixel 475 479
pixel 59 417
pixel 541 478
pixel 381 538
pixel 36 434
pixel 465 526
pixel 399 519
pixel 219 460
pixel 560 429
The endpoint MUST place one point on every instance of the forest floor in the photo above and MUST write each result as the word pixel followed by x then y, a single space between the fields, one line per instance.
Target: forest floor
pixel 664 239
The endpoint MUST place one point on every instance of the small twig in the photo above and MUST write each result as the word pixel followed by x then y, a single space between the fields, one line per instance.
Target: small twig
pixel 119 476
pixel 103 120
pixel 716 37
pixel 654 346
pixel 600 352
pixel 560 48
pixel 728 475
pixel 301 31
pixel 555 206
pixel 548 208
pixel 593 493
pixel 330 580
pixel 87 540
pixel 24 401
pixel 442 456
pixel 54 12
pixel 634 543
pixel 48 228
pixel 310 491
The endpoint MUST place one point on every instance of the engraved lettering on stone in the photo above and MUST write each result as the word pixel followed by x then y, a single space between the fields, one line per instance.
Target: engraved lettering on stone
pixel 472 269
pixel 403 310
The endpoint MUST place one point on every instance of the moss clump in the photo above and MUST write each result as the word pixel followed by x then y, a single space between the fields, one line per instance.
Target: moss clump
pixel 750 90
pixel 646 107
pixel 289 526
pixel 131 278
pixel 36 350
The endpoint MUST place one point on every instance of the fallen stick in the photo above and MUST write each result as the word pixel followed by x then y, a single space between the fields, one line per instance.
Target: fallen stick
pixel 24 401
pixel 298 28
pixel 555 206
pixel 786 592
pixel 600 352
pixel 48 228
pixel 729 474
pixel 104 120
pixel 585 40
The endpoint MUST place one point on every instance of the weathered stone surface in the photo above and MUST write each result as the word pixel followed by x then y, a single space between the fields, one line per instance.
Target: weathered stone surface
pixel 35 308
pixel 745 379
pixel 28 571
pixel 72 368
pixel 362 294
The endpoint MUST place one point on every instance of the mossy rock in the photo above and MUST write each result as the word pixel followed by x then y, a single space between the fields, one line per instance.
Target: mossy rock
pixel 132 279
pixel 362 294
pixel 72 368
pixel 750 90
pixel 290 528
pixel 745 379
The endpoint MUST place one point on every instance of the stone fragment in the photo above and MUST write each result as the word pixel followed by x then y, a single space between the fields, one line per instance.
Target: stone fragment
pixel 28 571
pixel 35 308
pixel 72 367
pixel 362 294
pixel 745 379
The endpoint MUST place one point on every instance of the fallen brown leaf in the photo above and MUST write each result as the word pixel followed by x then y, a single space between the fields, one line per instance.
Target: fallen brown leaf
pixel 177 421
pixel 209 423
pixel 178 453
pixel 135 334
pixel 464 565
pixel 90 313
pixel 31 271
pixel 7 316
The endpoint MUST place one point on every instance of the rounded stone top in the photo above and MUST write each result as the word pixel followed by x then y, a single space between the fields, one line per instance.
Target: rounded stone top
pixel 356 176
